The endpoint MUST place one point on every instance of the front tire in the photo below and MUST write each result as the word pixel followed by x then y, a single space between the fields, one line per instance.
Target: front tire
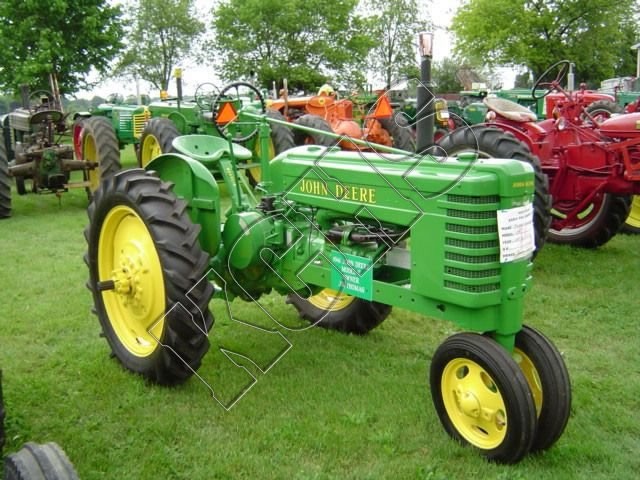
pixel 337 311
pixel 34 461
pixel 156 139
pixel 548 379
pixel 491 142
pixel 482 397
pixel 155 313
pixel 99 145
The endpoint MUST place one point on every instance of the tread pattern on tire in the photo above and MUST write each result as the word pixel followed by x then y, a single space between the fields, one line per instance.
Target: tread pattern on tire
pixel 399 129
pixel 5 183
pixel 500 144
pixel 39 462
pixel 184 265
pixel 106 144
pixel 313 121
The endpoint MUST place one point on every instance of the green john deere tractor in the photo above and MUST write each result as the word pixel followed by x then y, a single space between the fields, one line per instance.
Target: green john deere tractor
pixel 450 238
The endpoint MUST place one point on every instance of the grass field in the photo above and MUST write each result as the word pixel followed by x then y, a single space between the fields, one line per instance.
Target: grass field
pixel 334 407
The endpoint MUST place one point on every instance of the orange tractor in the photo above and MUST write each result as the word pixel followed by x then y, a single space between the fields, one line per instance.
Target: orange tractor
pixel 326 112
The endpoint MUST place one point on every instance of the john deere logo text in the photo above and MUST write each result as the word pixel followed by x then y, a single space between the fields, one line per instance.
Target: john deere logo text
pixel 341 192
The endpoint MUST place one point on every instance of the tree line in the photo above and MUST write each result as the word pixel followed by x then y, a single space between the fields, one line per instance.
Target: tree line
pixel 309 42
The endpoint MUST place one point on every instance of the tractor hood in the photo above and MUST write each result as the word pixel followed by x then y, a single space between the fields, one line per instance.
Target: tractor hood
pixel 622 126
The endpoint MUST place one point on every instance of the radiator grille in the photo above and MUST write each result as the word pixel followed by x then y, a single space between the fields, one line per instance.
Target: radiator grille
pixel 472 248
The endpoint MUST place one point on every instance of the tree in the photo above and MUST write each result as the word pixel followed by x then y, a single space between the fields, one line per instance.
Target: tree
pixel 64 37
pixel 395 28
pixel 594 34
pixel 305 41
pixel 444 75
pixel 162 33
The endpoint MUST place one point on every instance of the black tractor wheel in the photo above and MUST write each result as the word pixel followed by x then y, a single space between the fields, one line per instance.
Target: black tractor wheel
pixel 600 110
pixel 548 379
pixel 305 138
pixel 39 462
pixel 595 226
pixel 281 140
pixel 338 311
pixel 632 223
pixel 400 131
pixel 5 184
pixel 156 139
pixel 147 276
pixel 482 397
pixel 99 145
pixel 491 142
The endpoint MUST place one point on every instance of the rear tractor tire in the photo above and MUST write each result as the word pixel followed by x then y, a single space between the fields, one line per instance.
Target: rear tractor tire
pixel 337 311
pixel 147 276
pixel 99 145
pixel 156 139
pixel 601 110
pixel 35 462
pixel 491 142
pixel 313 121
pixel 400 131
pixel 5 184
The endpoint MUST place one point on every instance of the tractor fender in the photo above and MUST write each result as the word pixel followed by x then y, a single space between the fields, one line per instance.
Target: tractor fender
pixel 195 184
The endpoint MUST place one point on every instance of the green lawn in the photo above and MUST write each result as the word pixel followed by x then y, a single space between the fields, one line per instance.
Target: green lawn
pixel 335 406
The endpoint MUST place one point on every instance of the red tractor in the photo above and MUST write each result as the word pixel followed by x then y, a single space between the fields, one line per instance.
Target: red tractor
pixel 593 163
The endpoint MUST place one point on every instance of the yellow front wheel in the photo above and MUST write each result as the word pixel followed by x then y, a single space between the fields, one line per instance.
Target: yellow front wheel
pixel 156 139
pixel 632 223
pixel 146 273
pixel 482 397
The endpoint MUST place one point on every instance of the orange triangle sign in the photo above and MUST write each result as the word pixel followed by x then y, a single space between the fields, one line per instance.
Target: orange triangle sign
pixel 383 108
pixel 226 114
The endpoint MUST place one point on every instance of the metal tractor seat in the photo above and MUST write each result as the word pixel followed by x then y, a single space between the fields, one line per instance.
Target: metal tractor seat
pixel 208 149
pixel 510 110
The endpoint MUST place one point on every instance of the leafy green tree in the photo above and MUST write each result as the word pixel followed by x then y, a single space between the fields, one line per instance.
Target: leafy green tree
pixel 395 28
pixel 162 33
pixel 305 41
pixel 63 37
pixel 444 75
pixel 594 34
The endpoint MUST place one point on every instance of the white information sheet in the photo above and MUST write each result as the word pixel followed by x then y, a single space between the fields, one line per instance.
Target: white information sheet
pixel 515 229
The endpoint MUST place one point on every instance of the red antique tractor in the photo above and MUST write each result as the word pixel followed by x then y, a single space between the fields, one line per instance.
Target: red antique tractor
pixel 593 163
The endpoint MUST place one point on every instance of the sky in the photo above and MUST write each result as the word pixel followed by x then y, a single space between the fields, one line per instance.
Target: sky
pixel 193 75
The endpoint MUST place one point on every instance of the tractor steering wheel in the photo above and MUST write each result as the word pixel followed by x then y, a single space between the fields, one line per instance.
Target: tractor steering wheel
pixel 563 67
pixel 205 94
pixel 235 129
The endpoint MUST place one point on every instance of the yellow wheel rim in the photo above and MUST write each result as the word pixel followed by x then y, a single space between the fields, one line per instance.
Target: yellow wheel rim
pixel 90 154
pixel 256 173
pixel 474 403
pixel 633 220
pixel 149 150
pixel 331 300
pixel 532 376
pixel 127 255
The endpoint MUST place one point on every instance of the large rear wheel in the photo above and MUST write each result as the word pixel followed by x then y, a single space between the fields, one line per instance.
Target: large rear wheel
pixel 482 397
pixel 99 145
pixel 594 226
pixel 147 275
pixel 157 138
pixel 491 142
pixel 313 121
pixel 632 223
pixel 338 311
pixel 400 131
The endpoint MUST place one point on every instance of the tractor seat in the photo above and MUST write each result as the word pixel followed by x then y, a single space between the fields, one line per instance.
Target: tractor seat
pixel 208 149
pixel 510 110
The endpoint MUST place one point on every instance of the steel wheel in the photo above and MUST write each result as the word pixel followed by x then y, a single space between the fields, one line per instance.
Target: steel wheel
pixel 482 397
pixel 548 379
pixel 147 277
